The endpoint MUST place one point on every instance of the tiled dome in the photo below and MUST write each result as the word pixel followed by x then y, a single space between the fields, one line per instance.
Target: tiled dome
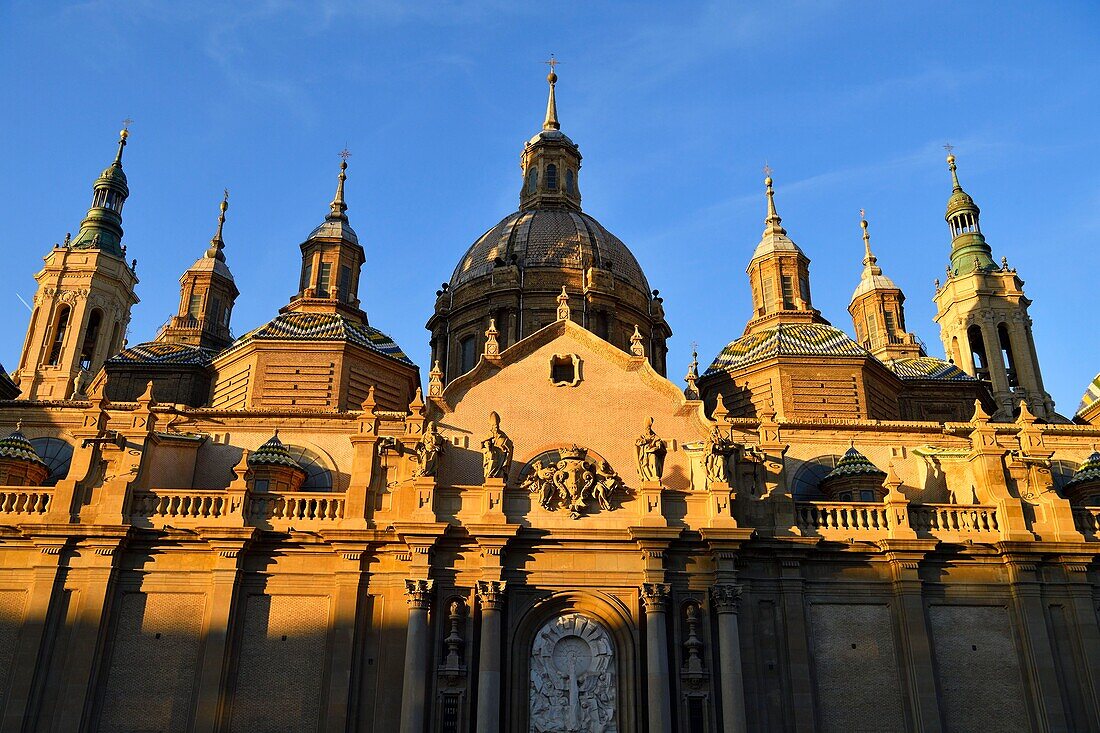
pixel 557 238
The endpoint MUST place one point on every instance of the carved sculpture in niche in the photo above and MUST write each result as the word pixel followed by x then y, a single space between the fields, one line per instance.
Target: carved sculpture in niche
pixel 573 685
pixel 716 453
pixel 429 451
pixel 569 477
pixel 651 454
pixel 453 667
pixel 496 450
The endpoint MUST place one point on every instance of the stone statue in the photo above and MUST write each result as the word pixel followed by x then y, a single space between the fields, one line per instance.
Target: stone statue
pixel 651 454
pixel 496 450
pixel 716 452
pixel 573 677
pixel 541 481
pixel 428 451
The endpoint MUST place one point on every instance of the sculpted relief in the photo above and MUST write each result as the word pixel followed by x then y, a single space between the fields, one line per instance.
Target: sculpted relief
pixel 570 478
pixel 573 685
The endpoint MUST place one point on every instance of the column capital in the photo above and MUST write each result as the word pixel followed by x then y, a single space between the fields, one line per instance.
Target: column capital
pixel 654 596
pixel 418 593
pixel 490 594
pixel 726 597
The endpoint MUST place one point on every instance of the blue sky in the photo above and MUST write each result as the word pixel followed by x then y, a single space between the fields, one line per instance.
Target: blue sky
pixel 676 107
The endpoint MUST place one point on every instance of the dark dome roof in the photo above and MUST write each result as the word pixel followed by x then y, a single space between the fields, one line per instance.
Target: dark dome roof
pixel 559 238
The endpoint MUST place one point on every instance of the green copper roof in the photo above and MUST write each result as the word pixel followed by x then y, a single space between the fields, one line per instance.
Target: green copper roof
pixel 17 447
pixel 273 453
pixel 969 250
pixel 854 463
pixel 1088 472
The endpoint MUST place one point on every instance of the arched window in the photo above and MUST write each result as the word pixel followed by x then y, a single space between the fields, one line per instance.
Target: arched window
pixel 552 177
pixel 532 179
pixel 1006 355
pixel 569 181
pixel 91 336
pixel 466 351
pixel 61 325
pixel 116 345
pixel 977 352
pixel 805 485
pixel 57 454
pixel 318 476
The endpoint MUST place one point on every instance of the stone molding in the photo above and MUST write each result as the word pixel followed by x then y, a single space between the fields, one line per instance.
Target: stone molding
pixel 655 595
pixel 490 594
pixel 418 593
pixel 726 597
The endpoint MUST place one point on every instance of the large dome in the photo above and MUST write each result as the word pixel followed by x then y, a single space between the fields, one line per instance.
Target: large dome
pixel 557 238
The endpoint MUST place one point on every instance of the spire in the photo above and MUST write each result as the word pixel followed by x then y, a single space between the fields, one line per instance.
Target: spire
pixel 338 209
pixel 122 135
pixel 550 161
pixel 773 224
pixel 954 171
pixel 551 121
pixel 869 259
pixel 101 228
pixel 969 250
pixel 217 244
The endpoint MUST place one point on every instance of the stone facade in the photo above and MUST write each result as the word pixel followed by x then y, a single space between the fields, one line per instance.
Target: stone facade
pixel 813 535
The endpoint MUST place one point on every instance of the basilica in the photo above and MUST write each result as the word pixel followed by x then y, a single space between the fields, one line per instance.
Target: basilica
pixel 827 528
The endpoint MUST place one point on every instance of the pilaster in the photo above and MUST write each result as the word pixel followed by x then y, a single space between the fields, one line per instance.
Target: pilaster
pixel 918 669
pixel 655 598
pixel 47 577
pixel 227 547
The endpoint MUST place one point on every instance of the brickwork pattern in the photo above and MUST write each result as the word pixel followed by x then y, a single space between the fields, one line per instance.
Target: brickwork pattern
pixel 282 660
pixel 152 668
pixel 856 668
pixel 981 684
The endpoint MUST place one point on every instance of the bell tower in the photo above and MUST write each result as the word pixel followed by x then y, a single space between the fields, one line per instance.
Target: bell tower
pixel 85 292
pixel 982 313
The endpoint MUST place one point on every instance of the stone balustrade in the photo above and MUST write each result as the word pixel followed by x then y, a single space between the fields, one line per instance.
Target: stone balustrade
pixel 871 520
pixel 841 519
pixel 1087 521
pixel 183 505
pixel 954 521
pixel 297 507
pixel 24 503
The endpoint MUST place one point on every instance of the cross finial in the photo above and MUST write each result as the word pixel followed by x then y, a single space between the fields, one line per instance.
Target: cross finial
pixel 126 123
pixel 862 214
pixel 949 148
pixel 225 194
pixel 767 169
pixel 345 154
pixel 552 63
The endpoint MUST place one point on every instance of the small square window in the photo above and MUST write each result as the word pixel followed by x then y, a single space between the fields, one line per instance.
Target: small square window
pixel 565 370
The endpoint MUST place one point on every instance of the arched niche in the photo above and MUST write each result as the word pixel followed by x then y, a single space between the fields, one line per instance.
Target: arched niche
pixel 603 610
